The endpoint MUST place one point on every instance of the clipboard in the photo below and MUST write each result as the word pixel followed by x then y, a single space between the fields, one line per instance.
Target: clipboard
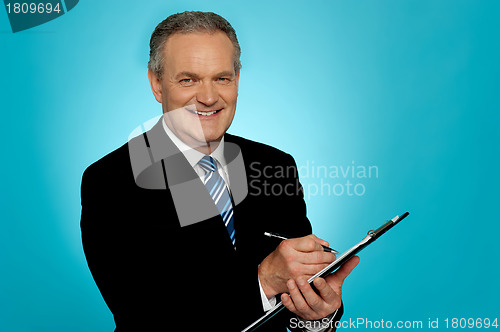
pixel 367 240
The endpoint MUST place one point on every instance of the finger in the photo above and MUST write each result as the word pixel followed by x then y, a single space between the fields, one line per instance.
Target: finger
pixel 314 301
pixel 339 276
pixel 307 269
pixel 315 257
pixel 347 268
pixel 326 291
pixel 288 303
pixel 301 306
pixel 319 241
pixel 306 244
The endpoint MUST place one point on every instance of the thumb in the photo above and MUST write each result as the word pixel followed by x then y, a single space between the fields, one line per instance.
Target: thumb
pixel 319 241
pixel 339 276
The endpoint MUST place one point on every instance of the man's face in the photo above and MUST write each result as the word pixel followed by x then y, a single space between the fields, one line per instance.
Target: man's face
pixel 198 72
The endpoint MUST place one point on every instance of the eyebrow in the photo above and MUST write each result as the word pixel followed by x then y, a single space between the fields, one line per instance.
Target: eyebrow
pixel 187 74
pixel 225 73
pixel 196 76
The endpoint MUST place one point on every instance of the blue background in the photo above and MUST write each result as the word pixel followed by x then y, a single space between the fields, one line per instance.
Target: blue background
pixel 411 87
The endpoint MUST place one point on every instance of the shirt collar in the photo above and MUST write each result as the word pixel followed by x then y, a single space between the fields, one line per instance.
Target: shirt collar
pixel 193 156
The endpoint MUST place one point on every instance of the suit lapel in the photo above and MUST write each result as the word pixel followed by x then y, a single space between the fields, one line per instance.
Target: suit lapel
pixel 236 172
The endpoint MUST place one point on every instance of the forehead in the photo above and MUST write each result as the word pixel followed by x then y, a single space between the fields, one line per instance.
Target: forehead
pixel 199 52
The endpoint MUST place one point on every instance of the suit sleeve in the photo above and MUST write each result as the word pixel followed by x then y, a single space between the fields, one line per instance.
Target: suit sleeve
pixel 100 244
pixel 109 251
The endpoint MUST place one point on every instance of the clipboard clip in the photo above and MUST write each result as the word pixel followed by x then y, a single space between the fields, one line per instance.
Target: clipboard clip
pixel 386 226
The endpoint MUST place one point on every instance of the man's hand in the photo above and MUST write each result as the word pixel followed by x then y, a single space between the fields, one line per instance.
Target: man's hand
pixel 293 259
pixel 306 303
pixel 288 268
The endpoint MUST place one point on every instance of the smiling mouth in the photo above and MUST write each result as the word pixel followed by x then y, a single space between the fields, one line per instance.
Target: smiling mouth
pixel 205 113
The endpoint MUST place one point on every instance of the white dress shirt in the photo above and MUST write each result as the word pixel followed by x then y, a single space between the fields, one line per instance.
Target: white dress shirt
pixel 193 157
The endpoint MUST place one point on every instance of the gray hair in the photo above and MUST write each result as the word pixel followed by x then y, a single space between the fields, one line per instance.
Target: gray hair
pixel 188 22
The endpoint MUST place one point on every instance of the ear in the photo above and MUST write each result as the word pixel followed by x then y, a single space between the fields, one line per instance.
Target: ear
pixel 155 85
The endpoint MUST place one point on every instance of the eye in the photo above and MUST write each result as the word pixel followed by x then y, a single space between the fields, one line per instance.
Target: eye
pixel 186 81
pixel 223 80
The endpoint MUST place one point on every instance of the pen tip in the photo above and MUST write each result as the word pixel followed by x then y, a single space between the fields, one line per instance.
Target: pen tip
pixel 333 251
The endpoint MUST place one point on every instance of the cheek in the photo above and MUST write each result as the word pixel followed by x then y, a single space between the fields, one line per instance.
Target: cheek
pixel 230 95
pixel 176 98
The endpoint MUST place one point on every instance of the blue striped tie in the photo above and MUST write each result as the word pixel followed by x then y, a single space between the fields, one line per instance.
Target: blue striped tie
pixel 217 188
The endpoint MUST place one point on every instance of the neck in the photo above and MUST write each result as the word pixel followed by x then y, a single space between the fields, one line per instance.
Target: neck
pixel 195 144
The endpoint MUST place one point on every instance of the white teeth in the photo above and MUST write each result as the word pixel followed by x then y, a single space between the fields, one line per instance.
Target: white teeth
pixel 206 113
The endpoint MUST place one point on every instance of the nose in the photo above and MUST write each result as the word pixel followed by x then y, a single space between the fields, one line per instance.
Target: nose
pixel 207 94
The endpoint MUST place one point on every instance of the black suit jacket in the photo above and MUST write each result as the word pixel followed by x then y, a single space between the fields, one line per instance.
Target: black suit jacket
pixel 156 275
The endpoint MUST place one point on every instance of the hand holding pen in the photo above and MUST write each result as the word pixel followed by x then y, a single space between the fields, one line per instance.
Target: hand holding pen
pixel 283 237
pixel 287 269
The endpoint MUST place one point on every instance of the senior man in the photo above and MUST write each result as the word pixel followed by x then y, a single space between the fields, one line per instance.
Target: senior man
pixel 162 258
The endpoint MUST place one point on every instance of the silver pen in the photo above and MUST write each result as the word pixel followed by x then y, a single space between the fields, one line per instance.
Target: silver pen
pixel 282 237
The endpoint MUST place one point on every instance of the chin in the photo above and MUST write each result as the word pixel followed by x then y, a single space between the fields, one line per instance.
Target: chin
pixel 201 140
pixel 211 135
pixel 213 138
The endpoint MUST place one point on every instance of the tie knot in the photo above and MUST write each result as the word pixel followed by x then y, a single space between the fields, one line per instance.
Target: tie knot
pixel 208 164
